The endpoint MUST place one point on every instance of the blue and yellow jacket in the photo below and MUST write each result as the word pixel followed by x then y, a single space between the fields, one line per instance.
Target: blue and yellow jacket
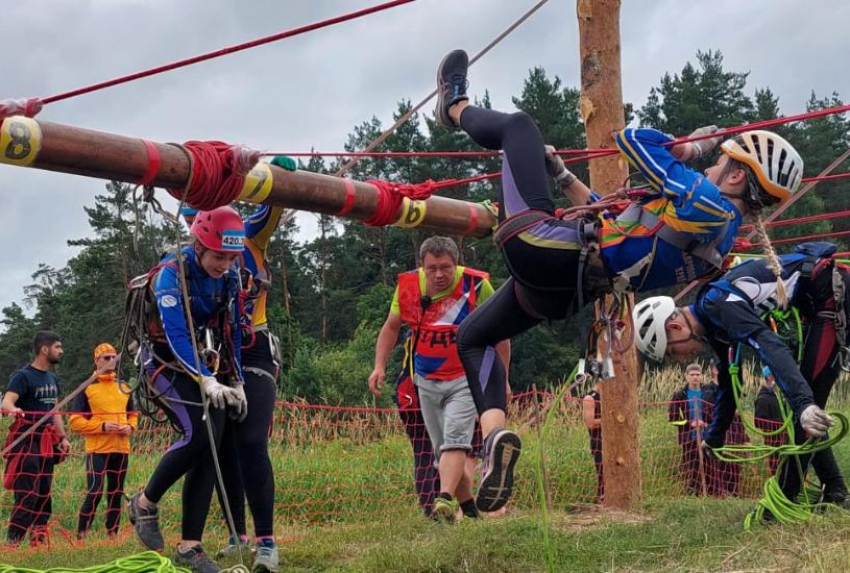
pixel 686 202
pixel 259 228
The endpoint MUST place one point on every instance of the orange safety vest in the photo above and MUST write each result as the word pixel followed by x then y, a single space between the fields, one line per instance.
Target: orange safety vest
pixel 434 324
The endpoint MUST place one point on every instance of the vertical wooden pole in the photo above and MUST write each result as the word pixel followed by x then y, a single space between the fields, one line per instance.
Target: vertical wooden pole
pixel 602 109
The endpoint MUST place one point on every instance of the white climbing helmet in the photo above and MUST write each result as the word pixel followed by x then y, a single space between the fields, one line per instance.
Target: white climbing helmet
pixel 775 163
pixel 650 317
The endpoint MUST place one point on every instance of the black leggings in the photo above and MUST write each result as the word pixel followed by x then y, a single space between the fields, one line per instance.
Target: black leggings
pixel 246 467
pixel 821 369
pixel 191 456
pixel 109 468
pixel 543 278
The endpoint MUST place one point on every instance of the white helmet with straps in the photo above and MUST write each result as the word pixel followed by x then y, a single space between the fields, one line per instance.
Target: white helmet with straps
pixel 775 163
pixel 650 317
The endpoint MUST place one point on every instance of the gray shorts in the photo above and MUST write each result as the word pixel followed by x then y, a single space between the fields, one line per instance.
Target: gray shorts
pixel 449 413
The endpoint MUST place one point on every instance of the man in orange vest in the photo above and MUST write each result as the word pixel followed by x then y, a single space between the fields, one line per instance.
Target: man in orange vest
pixel 103 413
pixel 432 301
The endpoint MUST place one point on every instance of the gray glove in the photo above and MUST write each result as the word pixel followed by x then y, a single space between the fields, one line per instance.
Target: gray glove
pixel 815 421
pixel 238 402
pixel 704 146
pixel 218 394
pixel 557 169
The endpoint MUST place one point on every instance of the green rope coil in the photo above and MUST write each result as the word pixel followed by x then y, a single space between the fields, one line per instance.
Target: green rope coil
pixel 775 502
pixel 146 562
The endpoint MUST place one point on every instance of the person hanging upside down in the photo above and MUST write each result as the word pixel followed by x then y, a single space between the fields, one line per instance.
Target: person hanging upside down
pixel 682 231
pixel 179 378
pixel 730 310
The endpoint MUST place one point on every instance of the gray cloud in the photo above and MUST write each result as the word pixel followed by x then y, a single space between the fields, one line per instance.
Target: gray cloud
pixel 311 90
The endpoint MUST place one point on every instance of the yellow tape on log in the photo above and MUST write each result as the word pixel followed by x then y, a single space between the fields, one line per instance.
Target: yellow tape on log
pixel 20 140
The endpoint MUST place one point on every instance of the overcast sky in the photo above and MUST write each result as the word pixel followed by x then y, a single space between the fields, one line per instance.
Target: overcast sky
pixel 310 91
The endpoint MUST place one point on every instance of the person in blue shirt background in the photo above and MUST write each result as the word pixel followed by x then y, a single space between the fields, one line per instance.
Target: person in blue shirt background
pixel 179 379
pixel 683 230
pixel 689 410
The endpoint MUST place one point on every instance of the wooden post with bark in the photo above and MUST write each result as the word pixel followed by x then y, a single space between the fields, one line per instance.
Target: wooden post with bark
pixel 602 109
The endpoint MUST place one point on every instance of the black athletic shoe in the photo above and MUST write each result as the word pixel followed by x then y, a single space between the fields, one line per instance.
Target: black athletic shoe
pixel 146 523
pixel 451 85
pixel 501 452
pixel 838 497
pixel 469 510
pixel 196 560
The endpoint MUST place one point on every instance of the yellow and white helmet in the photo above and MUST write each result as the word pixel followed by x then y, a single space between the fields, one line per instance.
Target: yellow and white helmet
pixel 775 163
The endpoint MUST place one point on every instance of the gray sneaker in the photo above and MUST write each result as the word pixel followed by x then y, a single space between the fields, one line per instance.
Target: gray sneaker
pixel 451 85
pixel 146 523
pixel 266 559
pixel 501 452
pixel 196 560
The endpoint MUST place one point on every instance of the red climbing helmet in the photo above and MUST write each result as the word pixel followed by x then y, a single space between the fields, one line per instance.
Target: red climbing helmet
pixel 220 230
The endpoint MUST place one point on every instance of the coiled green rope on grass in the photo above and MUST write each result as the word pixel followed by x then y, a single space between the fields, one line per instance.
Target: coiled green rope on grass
pixel 775 503
pixel 145 562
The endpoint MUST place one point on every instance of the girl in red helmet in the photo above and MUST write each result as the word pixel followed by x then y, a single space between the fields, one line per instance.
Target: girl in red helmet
pixel 178 378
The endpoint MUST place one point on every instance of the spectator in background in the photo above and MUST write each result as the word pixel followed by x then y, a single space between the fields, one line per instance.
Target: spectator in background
pixel 591 410
pixel 426 481
pixel 103 414
pixel 725 477
pixel 690 409
pixel 32 392
pixel 768 417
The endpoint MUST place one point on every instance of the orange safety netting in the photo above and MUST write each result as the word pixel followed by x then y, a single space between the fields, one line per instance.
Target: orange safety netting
pixel 348 465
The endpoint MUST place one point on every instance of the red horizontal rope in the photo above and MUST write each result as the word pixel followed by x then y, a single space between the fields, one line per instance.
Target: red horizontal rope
pixel 494 175
pixel 802 220
pixel 225 51
pixel 585 153
pixel 826 177
pixel 806 238
pixel 395 154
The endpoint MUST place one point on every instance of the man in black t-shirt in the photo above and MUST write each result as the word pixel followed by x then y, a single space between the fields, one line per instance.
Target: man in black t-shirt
pixel 32 391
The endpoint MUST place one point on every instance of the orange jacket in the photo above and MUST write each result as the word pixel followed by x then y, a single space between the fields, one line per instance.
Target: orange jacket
pixel 101 402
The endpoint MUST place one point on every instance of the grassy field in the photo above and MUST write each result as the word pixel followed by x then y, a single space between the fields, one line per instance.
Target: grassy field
pixel 664 535
pixel 344 503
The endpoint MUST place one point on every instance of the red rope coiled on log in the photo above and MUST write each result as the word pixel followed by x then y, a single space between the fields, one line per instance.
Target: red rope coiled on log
pixel 217 174
pixel 390 197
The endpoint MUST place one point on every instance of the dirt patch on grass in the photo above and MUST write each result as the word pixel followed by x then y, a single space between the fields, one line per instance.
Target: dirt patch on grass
pixel 591 515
